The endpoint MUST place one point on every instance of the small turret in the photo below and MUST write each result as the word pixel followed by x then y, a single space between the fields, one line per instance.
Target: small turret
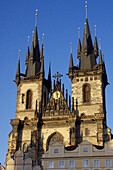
pixel 17 77
pixel 79 45
pixel 32 53
pixel 85 43
pixel 100 57
pixel 71 68
pixel 28 54
pixel 95 45
pixel 79 49
pixel 42 53
pixel 42 73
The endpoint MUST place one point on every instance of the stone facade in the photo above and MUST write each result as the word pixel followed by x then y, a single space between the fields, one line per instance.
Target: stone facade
pixel 46 116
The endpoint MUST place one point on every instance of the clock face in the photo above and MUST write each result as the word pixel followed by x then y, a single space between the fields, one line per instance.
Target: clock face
pixel 56 94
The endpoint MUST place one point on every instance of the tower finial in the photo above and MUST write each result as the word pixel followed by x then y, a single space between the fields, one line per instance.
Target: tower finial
pixel 86 8
pixel 95 30
pixel 100 43
pixel 36 17
pixel 19 55
pixel 28 39
pixel 85 27
pixel 42 38
pixel 71 47
pixel 32 33
pixel 78 32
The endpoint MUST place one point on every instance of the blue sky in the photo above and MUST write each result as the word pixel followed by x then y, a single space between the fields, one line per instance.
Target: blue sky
pixel 59 21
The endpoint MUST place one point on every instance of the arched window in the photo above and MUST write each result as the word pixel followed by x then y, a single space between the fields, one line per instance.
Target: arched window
pixel 29 99
pixel 86 91
pixel 24 147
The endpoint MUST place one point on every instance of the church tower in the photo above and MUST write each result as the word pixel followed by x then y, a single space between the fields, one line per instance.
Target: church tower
pixel 32 89
pixel 46 116
pixel 89 80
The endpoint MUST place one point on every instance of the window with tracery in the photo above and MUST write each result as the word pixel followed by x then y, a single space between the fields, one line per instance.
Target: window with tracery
pixel 86 91
pixel 29 100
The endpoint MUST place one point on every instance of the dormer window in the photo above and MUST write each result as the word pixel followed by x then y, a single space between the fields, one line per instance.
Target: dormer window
pixel 56 150
pixel 85 149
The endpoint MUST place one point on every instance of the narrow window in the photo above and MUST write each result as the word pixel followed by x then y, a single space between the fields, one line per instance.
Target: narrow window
pixel 55 106
pixel 86 132
pixel 86 91
pixel 23 98
pixel 81 132
pixel 29 99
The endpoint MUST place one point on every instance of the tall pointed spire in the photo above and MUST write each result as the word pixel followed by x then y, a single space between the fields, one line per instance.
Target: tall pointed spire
pixel 95 45
pixel 32 52
pixel 71 65
pixel 42 50
pixel 17 77
pixel 36 44
pixel 28 53
pixel 42 59
pixel 85 43
pixel 42 73
pixel 100 56
pixel 79 45
pixel 87 59
pixel 34 65
pixel 71 59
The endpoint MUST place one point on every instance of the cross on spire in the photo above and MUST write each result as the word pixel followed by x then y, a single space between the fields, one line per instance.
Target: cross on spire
pixel 57 76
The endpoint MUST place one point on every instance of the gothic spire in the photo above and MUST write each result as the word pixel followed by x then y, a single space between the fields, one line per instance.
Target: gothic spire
pixel 36 43
pixel 88 59
pixel 79 46
pixel 42 50
pixel 42 59
pixel 71 65
pixel 95 45
pixel 17 77
pixel 28 53
pixel 100 57
pixel 42 73
pixel 32 53
pixel 85 43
